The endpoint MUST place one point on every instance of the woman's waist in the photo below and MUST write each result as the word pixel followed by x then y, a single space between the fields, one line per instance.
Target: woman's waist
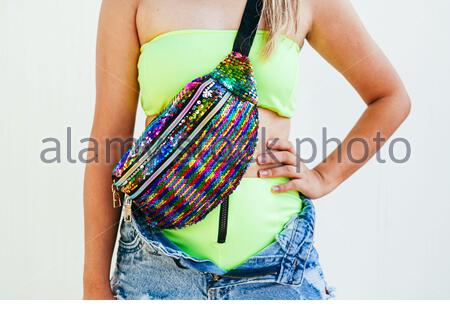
pixel 254 201
pixel 255 216
pixel 271 126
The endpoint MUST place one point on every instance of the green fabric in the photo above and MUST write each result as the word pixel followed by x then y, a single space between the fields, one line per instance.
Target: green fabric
pixel 256 214
pixel 171 60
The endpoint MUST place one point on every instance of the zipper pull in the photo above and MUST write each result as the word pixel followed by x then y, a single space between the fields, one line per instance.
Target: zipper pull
pixel 116 197
pixel 127 205
pixel 223 220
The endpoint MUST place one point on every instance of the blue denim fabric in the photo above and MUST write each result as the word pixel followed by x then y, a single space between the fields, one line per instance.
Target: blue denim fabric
pixel 149 266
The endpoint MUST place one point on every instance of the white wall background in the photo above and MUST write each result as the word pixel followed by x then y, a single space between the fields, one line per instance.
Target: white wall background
pixel 382 234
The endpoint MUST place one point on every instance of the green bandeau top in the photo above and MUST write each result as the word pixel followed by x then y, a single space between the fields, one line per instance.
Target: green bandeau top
pixel 166 64
pixel 172 59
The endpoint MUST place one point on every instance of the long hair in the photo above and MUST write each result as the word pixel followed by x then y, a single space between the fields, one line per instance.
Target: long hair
pixel 280 17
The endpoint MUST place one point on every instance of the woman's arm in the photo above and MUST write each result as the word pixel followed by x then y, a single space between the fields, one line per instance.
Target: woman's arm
pixel 338 35
pixel 117 93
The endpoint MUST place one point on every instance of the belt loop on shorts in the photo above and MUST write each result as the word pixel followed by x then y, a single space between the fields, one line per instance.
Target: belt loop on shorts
pixel 299 247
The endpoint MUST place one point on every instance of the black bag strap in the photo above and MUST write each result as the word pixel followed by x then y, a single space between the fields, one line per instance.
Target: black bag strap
pixel 247 29
pixel 242 44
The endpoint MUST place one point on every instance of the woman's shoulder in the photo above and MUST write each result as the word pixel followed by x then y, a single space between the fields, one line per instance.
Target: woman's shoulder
pixel 126 5
pixel 118 11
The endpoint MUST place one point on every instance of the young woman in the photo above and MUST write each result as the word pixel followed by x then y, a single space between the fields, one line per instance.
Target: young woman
pixel 153 48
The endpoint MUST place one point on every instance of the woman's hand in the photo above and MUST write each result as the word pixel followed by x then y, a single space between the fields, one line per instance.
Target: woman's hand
pixel 283 161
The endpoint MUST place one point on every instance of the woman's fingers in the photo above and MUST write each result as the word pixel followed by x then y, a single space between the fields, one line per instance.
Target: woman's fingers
pixel 277 157
pixel 279 152
pixel 291 185
pixel 300 185
pixel 280 144
pixel 281 171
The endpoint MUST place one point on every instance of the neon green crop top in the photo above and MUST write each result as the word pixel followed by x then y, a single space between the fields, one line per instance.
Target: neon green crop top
pixel 172 59
pixel 256 214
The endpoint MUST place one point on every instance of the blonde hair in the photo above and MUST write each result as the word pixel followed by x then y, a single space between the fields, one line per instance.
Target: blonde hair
pixel 280 17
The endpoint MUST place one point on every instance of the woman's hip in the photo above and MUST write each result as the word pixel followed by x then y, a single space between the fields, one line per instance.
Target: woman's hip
pixel 148 266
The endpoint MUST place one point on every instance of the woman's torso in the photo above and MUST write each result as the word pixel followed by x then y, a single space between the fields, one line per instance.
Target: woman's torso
pixel 182 40
pixel 158 21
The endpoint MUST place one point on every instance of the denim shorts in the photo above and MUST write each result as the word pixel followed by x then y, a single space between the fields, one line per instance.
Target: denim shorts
pixel 149 266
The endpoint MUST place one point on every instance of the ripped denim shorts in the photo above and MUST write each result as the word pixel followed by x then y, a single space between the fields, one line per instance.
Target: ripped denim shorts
pixel 149 266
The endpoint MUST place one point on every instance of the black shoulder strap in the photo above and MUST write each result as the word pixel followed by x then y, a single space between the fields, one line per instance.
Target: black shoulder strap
pixel 249 25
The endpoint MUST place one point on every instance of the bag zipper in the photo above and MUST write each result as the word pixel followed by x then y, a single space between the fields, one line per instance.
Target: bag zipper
pixel 223 221
pixel 116 197
pixel 127 205
pixel 184 144
pixel 166 132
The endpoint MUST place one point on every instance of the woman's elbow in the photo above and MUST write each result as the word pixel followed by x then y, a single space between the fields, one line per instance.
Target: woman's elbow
pixel 403 104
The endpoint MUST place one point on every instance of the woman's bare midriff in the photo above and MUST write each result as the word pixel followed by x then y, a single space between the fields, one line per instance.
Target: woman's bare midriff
pixel 270 126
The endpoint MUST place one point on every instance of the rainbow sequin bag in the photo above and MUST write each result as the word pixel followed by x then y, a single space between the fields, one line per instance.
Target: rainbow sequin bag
pixel 192 156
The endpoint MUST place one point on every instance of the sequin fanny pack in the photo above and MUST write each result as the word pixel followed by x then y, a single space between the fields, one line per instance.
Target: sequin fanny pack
pixel 193 155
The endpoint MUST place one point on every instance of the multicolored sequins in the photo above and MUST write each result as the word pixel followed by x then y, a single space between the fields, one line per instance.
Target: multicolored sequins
pixel 196 151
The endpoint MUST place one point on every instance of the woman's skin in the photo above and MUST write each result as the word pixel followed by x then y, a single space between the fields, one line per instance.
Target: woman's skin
pixel 331 27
